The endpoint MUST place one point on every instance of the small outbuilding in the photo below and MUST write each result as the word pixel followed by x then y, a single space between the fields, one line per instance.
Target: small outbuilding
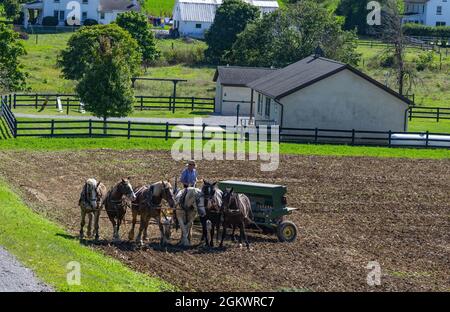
pixel 231 88
pixel 317 92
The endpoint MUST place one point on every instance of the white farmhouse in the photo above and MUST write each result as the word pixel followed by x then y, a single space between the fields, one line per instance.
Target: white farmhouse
pixel 193 17
pixel 103 11
pixel 427 12
pixel 321 93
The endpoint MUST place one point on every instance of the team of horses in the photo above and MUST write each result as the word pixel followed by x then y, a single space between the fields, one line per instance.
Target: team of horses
pixel 215 208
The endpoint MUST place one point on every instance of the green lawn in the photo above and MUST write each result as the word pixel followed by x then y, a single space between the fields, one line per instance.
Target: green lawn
pixel 47 249
pixel 158 7
pixel 73 112
pixel 432 87
pixel 43 144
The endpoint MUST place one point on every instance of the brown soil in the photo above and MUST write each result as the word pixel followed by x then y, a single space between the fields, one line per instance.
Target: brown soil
pixel 351 211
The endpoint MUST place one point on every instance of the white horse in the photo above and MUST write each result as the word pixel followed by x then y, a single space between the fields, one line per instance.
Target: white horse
pixel 91 202
pixel 193 204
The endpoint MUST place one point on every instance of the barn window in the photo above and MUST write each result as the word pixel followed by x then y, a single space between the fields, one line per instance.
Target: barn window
pixel 198 25
pixel 259 104
pixel 267 107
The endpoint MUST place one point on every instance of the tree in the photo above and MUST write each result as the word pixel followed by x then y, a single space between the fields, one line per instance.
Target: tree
pixel 79 56
pixel 392 33
pixel 290 34
pixel 106 88
pixel 103 58
pixel 12 75
pixel 231 18
pixel 139 28
pixel 12 8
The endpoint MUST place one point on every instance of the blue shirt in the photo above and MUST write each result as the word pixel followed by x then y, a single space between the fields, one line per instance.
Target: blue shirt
pixel 189 177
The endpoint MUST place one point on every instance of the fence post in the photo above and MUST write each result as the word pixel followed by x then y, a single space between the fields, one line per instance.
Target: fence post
pixel 129 129
pixel 389 139
pixel 170 103
pixel 15 129
pixel 10 101
pixel 142 103
pixel 437 115
pixel 428 135
pixel 203 132
pixel 15 97
pixel 316 133
pixel 67 112
pixel 52 131
pixel 410 113
pixel 36 101
pixel 353 136
pixel 174 103
pixel 90 128
pixel 167 131
pixel 192 104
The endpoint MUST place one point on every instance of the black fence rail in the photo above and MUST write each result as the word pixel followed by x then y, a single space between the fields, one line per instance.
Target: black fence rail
pixel 143 102
pixel 131 129
pixel 423 112
pixel 8 117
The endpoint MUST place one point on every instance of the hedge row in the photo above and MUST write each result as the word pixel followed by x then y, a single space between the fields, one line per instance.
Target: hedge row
pixel 53 21
pixel 426 31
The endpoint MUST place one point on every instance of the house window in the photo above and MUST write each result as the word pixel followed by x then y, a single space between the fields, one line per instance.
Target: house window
pixel 259 104
pixel 56 1
pixel 55 14
pixel 85 1
pixel 440 23
pixel 267 112
pixel 198 26
pixel 61 15
pixel 439 10
pixel 102 15
pixel 83 16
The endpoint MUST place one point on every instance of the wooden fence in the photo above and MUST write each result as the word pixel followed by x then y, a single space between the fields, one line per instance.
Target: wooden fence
pixel 143 102
pixel 130 129
pixel 423 112
pixel 8 117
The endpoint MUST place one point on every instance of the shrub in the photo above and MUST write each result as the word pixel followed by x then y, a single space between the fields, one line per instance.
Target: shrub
pixel 90 22
pixel 426 31
pixel 425 61
pixel 50 21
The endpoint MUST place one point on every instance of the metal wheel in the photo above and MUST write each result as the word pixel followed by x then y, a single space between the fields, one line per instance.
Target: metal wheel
pixel 287 231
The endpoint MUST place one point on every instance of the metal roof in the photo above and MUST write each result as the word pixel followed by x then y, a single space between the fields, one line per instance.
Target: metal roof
pixel 118 5
pixel 240 76
pixel 306 72
pixel 205 10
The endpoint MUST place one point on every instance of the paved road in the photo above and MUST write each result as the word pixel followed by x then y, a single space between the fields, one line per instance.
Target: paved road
pixel 14 277
pixel 214 120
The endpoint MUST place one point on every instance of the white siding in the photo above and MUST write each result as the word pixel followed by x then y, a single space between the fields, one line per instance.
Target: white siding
pixel 343 101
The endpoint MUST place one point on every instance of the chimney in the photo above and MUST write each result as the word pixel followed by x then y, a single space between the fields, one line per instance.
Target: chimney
pixel 318 52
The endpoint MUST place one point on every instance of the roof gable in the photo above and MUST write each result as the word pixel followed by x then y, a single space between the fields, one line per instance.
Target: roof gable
pixel 306 72
pixel 240 76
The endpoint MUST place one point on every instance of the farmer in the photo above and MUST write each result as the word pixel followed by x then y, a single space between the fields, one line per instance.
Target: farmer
pixel 189 175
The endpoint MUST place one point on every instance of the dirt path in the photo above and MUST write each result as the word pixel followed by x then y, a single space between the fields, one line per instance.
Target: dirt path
pixel 14 277
pixel 351 211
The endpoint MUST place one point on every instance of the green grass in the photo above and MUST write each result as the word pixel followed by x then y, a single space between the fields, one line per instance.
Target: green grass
pixel 423 125
pixel 46 248
pixel 158 7
pixel 432 87
pixel 43 144
pixel 73 112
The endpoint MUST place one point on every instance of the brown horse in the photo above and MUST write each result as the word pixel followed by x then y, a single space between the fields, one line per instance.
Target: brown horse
pixel 213 205
pixel 148 205
pixel 237 211
pixel 116 204
pixel 91 203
